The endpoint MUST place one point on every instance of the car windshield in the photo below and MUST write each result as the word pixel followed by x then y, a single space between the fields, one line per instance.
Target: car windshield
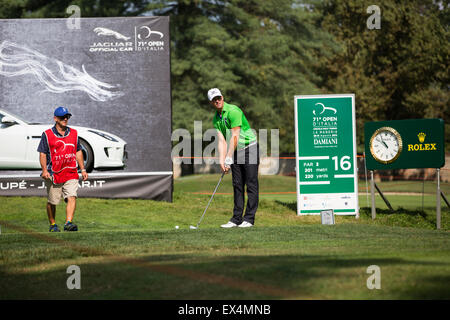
pixel 2 114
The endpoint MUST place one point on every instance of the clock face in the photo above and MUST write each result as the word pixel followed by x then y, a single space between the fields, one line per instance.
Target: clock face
pixel 386 145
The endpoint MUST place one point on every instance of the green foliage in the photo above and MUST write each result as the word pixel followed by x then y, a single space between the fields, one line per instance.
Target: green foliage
pixel 11 8
pixel 57 8
pixel 397 72
pixel 261 53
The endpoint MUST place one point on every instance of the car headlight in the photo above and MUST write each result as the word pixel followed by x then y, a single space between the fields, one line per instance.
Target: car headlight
pixel 104 135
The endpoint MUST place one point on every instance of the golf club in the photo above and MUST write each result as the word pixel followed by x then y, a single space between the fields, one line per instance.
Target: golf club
pixel 192 227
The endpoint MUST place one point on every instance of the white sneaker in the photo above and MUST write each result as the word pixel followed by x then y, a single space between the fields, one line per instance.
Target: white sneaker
pixel 245 224
pixel 229 224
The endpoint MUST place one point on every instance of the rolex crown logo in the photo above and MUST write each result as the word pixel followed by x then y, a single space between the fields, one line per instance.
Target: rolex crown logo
pixel 421 136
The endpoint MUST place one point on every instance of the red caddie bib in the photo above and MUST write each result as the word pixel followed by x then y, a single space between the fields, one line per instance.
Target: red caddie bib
pixel 63 155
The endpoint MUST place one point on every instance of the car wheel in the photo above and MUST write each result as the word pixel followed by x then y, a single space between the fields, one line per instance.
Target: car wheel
pixel 88 155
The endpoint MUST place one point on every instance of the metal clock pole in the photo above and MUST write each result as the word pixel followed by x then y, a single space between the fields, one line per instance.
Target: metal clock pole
pixel 438 200
pixel 372 192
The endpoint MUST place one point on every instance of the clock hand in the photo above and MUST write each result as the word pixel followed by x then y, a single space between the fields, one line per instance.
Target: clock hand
pixel 384 143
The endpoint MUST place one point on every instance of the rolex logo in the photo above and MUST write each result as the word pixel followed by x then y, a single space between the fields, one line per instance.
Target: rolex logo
pixel 422 146
pixel 421 136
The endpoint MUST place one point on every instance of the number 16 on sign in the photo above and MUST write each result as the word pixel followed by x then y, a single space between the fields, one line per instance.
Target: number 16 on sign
pixel 325 140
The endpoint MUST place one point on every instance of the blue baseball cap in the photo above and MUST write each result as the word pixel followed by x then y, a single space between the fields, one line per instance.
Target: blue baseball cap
pixel 61 112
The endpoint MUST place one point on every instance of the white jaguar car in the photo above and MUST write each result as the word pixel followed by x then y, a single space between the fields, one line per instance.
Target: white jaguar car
pixel 19 140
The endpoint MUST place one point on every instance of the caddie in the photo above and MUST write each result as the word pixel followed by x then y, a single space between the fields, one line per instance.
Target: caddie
pixel 59 152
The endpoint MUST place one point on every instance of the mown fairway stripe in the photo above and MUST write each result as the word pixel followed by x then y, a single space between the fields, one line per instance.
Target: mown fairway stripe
pixel 225 281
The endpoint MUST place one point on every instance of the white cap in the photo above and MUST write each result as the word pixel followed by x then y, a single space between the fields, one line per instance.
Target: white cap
pixel 214 92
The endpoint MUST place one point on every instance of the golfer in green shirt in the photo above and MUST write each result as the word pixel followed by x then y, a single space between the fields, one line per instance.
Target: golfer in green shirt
pixel 238 151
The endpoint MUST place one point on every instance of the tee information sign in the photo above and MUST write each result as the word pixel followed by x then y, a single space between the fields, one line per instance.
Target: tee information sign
pixel 325 141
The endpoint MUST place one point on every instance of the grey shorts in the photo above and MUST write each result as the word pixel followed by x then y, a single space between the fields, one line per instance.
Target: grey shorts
pixel 63 190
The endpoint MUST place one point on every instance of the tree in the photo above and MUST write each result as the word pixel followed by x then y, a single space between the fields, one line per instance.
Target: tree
pixel 397 72
pixel 259 53
pixel 57 8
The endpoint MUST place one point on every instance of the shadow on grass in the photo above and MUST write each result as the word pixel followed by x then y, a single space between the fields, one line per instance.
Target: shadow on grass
pixel 421 213
pixel 290 205
pixel 427 218
pixel 195 276
pixel 293 206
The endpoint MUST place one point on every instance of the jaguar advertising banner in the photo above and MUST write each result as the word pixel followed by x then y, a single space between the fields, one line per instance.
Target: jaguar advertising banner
pixel 113 75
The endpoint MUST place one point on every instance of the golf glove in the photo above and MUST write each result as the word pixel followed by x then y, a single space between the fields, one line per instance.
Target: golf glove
pixel 228 161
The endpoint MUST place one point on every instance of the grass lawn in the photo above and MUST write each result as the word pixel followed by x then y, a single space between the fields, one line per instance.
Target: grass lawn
pixel 130 249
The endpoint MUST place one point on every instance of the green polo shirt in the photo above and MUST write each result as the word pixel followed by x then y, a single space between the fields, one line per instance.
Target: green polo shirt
pixel 231 117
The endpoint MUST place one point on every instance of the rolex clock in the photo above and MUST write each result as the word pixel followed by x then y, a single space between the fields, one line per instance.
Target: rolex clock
pixel 386 145
pixel 404 144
